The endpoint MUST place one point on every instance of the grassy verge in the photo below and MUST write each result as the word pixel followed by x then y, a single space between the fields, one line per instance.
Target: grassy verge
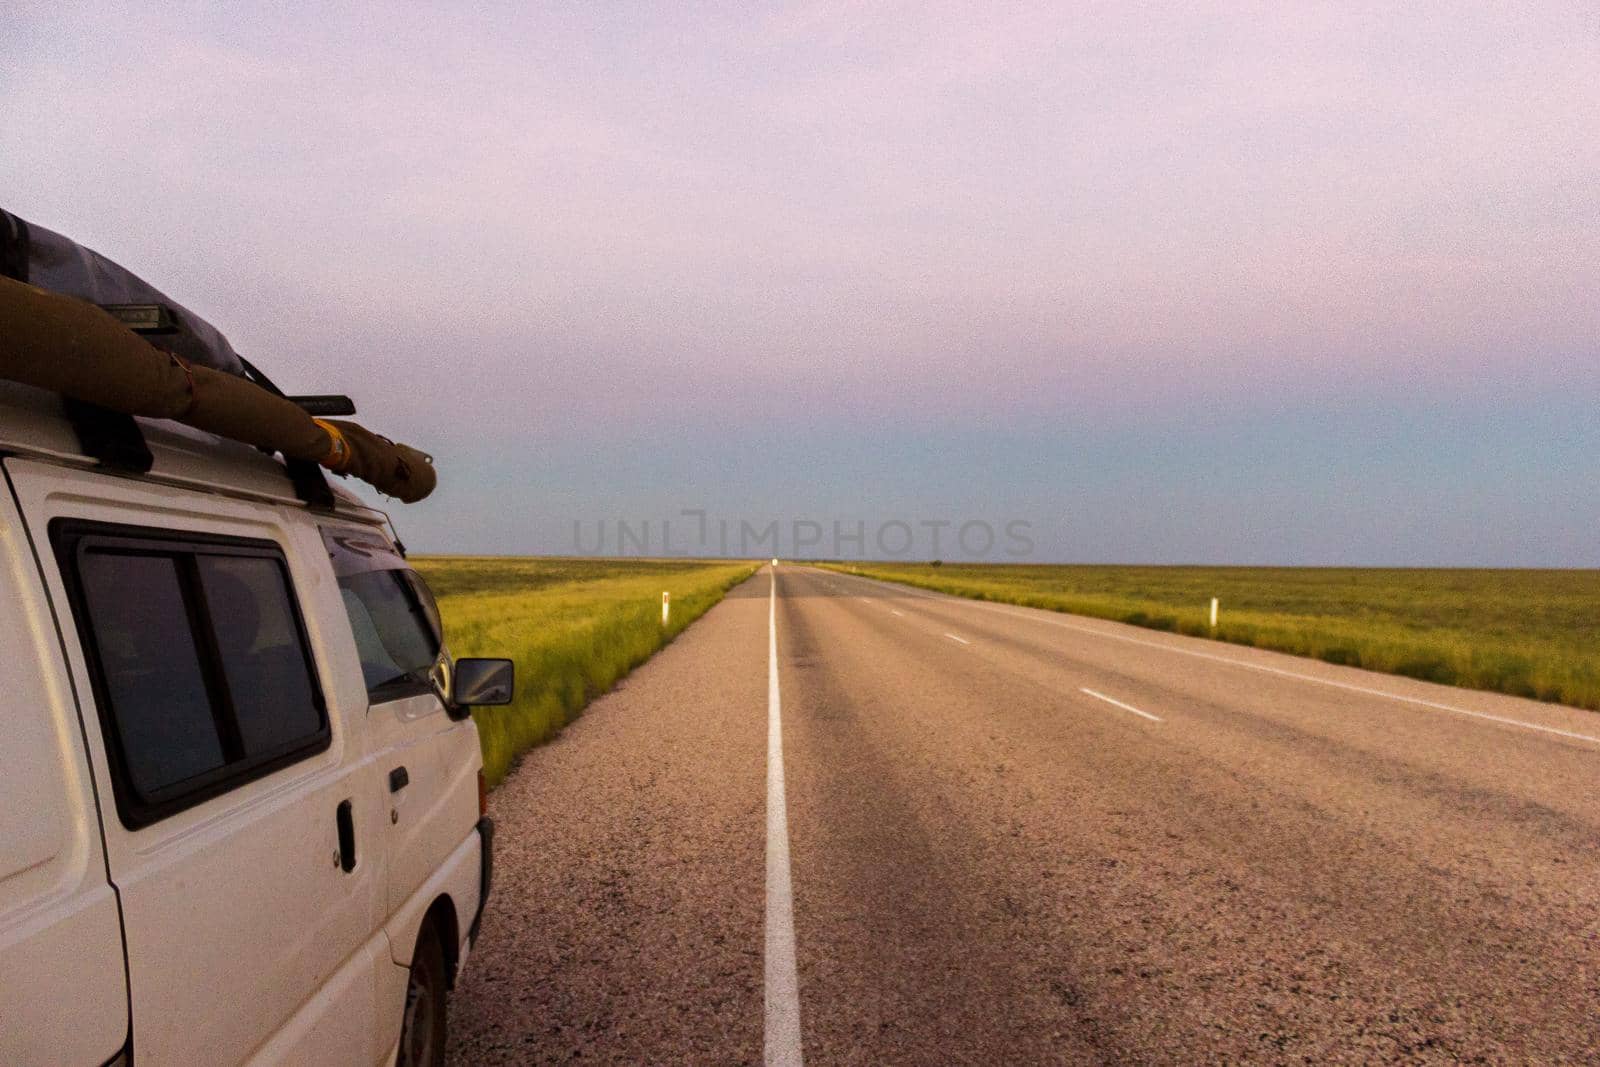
pixel 573 627
pixel 1527 633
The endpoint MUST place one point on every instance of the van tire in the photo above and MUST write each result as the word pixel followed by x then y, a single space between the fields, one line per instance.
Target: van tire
pixel 425 1025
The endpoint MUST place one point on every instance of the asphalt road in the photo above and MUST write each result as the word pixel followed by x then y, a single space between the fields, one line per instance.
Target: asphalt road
pixel 1022 837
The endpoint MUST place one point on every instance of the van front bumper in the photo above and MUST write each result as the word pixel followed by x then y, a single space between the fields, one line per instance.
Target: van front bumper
pixel 485 874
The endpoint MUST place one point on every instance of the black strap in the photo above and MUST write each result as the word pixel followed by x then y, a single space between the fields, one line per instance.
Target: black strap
pixel 13 247
pixel 253 372
pixel 309 482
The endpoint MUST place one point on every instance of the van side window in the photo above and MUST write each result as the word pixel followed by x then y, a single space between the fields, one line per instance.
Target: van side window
pixel 395 634
pixel 266 665
pixel 199 661
pixel 151 666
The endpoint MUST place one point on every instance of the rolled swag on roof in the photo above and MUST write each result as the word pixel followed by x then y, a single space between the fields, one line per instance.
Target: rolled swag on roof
pixel 54 334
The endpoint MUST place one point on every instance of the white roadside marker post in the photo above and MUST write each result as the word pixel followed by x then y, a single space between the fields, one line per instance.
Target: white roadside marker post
pixel 666 607
pixel 1213 613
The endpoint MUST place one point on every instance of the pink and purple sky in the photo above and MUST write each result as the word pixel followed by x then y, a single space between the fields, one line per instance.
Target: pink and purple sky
pixel 1280 283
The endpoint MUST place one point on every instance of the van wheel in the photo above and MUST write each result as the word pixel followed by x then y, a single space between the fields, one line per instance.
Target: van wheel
pixel 422 1033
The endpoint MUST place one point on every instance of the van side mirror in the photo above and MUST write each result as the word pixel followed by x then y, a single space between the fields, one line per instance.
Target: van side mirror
pixel 482 683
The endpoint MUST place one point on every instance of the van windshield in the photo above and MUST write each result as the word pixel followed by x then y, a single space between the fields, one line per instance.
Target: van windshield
pixel 394 629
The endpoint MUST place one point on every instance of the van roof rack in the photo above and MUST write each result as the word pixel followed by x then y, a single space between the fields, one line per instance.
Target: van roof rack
pixel 111 438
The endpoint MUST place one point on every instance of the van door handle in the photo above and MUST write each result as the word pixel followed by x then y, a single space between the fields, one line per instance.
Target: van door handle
pixel 399 778
pixel 347 837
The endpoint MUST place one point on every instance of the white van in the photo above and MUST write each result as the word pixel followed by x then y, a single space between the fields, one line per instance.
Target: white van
pixel 241 798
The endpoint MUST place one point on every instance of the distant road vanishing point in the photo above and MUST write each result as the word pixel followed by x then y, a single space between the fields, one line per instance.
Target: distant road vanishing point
pixel 1015 836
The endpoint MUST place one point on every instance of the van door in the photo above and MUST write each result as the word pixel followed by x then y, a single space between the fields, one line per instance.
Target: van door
pixel 242 820
pixel 430 763
pixel 63 998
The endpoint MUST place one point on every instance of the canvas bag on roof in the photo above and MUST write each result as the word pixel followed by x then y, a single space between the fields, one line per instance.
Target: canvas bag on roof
pixel 33 254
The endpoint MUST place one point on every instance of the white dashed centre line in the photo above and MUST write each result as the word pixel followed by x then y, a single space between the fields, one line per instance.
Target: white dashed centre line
pixel 1434 705
pixel 1120 704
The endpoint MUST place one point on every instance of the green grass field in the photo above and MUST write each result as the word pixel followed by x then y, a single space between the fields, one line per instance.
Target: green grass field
pixel 1523 632
pixel 573 626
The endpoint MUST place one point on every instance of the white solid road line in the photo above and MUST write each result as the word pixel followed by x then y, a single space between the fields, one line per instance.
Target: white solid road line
pixel 960 640
pixel 1023 613
pixel 782 1021
pixel 1119 704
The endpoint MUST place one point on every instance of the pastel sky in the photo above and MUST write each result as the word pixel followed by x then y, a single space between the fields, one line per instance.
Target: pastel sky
pixel 1278 283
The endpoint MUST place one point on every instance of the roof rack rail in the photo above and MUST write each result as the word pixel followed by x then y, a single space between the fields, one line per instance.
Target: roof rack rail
pixel 325 405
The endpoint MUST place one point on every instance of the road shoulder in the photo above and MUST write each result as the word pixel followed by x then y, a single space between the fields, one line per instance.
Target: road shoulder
pixel 626 923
